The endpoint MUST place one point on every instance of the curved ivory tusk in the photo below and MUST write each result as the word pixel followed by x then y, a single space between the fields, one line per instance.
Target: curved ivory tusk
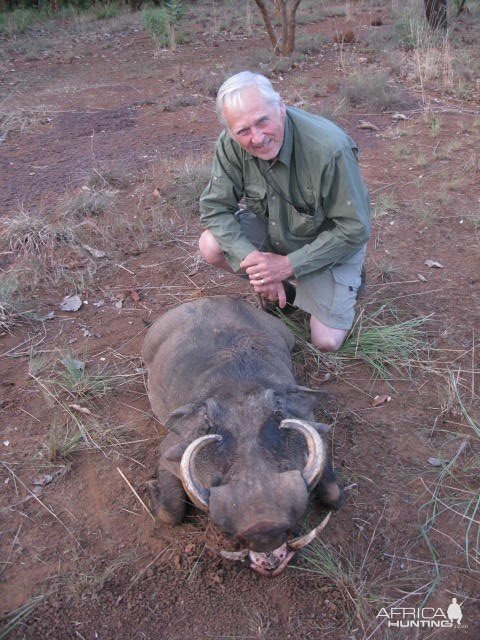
pixel 198 495
pixel 234 555
pixel 316 449
pixel 299 543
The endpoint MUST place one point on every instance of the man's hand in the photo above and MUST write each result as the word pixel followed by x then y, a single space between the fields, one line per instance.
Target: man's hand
pixel 266 268
pixel 272 292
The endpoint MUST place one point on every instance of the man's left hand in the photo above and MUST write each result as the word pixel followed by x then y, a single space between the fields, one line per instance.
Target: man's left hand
pixel 266 268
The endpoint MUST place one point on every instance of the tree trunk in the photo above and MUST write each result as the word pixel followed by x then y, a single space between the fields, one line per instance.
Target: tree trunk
pixel 286 10
pixel 289 42
pixel 436 13
pixel 268 24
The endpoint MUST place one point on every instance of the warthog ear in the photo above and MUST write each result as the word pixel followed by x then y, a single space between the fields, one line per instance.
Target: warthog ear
pixel 175 452
pixel 301 401
pixel 196 418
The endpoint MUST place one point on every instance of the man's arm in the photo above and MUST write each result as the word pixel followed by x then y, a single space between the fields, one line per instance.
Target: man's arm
pixel 219 202
pixel 346 204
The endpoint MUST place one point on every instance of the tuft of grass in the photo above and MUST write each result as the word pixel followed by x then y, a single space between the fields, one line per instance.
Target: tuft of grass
pixel 385 347
pixel 80 382
pixel 74 388
pixel 106 10
pixel 452 511
pixel 113 177
pixel 386 204
pixel 87 203
pixel 387 272
pixel 187 185
pixel 373 91
pixel 19 119
pixel 20 616
pixel 12 311
pixel 19 21
pixel 361 580
pixel 28 233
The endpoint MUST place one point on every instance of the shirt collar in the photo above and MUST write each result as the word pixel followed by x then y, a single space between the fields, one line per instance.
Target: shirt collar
pixel 285 154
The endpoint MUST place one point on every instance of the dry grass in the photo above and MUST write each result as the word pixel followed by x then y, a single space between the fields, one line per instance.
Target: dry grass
pixel 13 310
pixel 86 203
pixel 27 233
pixel 19 119
pixel 452 512
pixel 372 91
pixel 362 582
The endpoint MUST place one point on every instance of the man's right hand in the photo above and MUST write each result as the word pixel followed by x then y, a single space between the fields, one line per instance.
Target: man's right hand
pixel 272 292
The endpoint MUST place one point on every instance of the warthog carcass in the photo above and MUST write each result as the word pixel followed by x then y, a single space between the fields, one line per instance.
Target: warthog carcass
pixel 242 443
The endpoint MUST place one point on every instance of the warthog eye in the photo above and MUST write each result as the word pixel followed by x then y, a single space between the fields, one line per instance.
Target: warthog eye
pixel 286 449
pixel 213 462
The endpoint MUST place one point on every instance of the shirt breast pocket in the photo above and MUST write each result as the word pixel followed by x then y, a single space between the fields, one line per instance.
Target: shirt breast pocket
pixel 303 224
pixel 256 201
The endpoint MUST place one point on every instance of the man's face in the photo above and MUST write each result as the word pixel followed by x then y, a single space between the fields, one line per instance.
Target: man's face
pixel 256 125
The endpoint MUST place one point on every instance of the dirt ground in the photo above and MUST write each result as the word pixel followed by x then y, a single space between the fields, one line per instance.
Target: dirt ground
pixel 77 548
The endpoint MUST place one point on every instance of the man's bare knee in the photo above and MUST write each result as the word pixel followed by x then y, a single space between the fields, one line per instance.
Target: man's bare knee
pixel 325 338
pixel 210 249
pixel 327 343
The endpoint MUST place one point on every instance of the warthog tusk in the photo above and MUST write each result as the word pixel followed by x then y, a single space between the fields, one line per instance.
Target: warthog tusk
pixel 316 449
pixel 198 495
pixel 302 541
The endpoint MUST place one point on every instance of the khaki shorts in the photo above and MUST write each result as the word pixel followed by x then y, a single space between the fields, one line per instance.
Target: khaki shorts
pixel 328 295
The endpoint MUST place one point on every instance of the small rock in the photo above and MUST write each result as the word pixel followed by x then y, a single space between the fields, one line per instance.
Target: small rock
pixel 433 264
pixel 71 303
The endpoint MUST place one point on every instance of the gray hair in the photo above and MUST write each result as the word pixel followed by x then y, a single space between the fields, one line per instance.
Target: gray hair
pixel 231 91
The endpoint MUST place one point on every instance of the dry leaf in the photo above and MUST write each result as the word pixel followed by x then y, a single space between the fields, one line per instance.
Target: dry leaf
pixel 399 116
pixel 96 253
pixel 134 295
pixel 434 264
pixel 80 409
pixel 421 278
pixel 435 462
pixel 379 400
pixel 156 193
pixel 367 125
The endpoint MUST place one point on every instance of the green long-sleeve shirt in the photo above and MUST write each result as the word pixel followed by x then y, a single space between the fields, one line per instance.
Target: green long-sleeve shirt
pixel 313 195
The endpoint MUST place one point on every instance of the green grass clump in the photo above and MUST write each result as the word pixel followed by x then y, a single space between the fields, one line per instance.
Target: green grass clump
pixel 385 347
pixel 154 19
pixel 79 382
pixel 398 347
pixel 19 21
pixel 19 616
pixel 106 10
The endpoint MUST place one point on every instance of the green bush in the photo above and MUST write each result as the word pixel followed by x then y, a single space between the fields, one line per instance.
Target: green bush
pixel 19 20
pixel 106 10
pixel 155 21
